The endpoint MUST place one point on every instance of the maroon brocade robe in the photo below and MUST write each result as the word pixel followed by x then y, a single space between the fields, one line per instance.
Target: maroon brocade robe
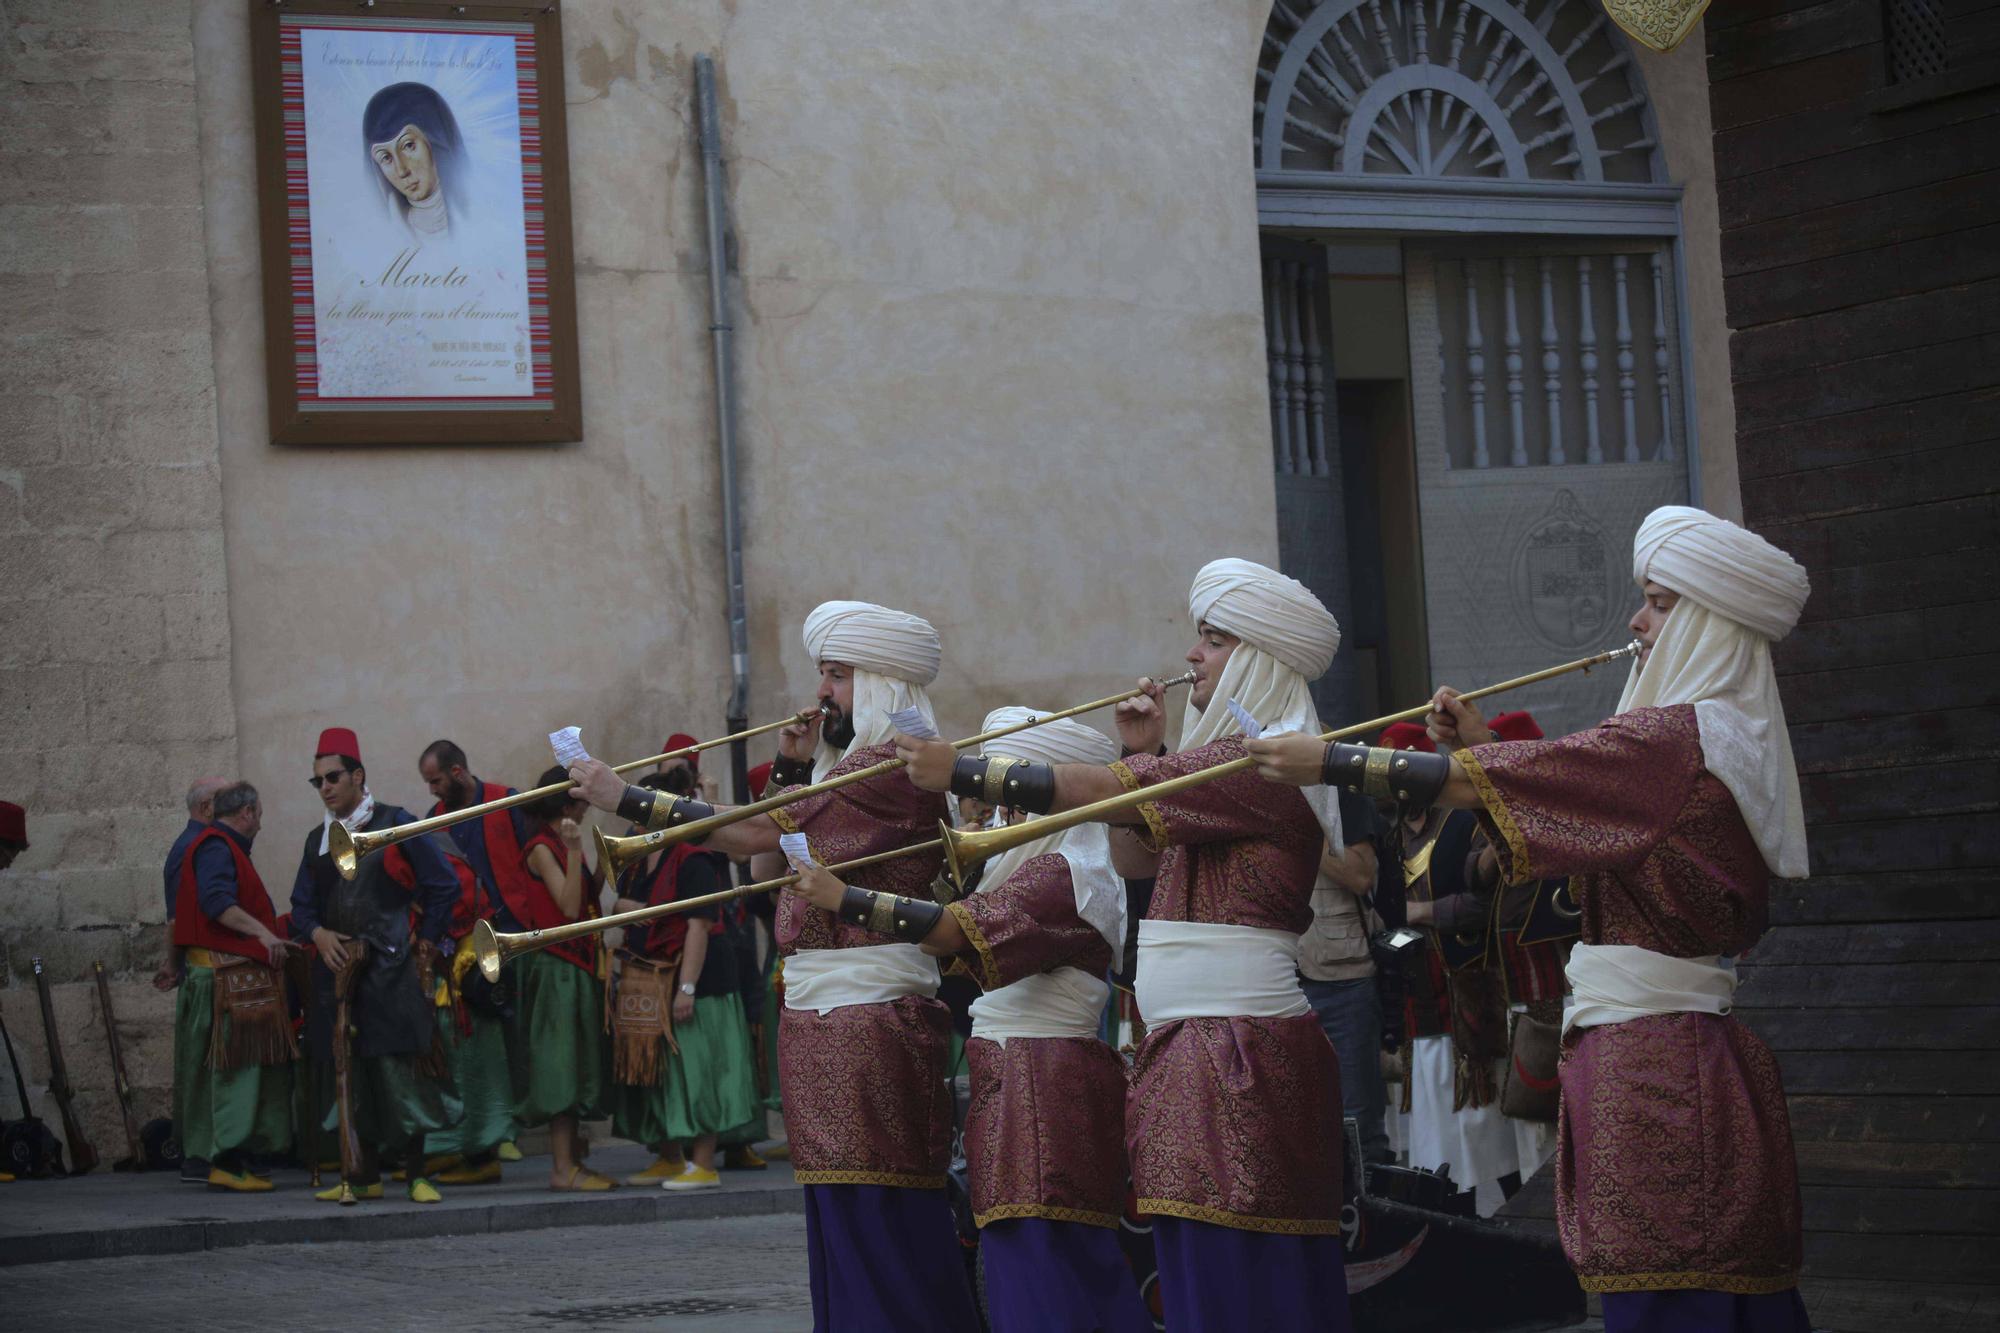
pixel 865 1100
pixel 1674 1163
pixel 1045 1134
pixel 1234 1121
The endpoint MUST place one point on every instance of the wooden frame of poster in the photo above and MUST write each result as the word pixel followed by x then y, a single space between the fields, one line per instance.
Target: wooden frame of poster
pixel 413 187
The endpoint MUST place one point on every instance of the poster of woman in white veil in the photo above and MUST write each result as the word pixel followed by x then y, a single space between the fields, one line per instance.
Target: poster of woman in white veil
pixel 416 216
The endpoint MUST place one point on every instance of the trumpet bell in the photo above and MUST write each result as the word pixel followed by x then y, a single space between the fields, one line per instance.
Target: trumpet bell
pixel 614 854
pixel 341 845
pixel 486 950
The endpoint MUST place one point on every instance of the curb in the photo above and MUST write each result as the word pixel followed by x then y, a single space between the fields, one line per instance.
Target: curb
pixel 361 1224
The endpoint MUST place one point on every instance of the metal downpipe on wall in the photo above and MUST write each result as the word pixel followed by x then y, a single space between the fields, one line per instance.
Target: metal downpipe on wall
pixel 721 335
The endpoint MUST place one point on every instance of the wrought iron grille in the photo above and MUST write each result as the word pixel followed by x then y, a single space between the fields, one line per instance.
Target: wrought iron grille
pixel 1915 32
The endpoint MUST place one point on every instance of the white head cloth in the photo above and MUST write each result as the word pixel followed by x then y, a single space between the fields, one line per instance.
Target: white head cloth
pixel 1739 594
pixel 1100 893
pixel 893 655
pixel 1289 640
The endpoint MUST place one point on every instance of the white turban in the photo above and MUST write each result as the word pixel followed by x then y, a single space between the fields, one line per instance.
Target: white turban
pixel 1064 741
pixel 1100 893
pixel 1729 570
pixel 893 655
pixel 1288 641
pixel 1263 607
pixel 1738 594
pixel 862 634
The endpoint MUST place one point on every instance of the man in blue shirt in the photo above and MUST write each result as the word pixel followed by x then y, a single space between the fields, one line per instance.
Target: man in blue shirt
pixel 201 813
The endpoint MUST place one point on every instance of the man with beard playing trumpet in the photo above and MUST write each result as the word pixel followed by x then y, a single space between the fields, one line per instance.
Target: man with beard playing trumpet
pixel 862 1041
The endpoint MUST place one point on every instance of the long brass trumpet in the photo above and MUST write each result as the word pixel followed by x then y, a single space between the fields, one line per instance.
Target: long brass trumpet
pixel 963 851
pixel 348 848
pixel 617 853
pixel 490 948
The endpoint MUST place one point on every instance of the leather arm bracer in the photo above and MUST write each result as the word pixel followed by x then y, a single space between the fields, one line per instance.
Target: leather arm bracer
pixel 650 810
pixel 908 919
pixel 1018 784
pixel 1411 777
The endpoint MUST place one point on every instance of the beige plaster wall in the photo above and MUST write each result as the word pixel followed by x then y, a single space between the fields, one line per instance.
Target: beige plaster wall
pixel 999 317
pixel 115 655
pixel 1678 85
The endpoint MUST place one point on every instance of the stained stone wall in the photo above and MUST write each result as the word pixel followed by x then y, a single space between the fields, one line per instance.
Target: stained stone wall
pixel 115 657
pixel 1001 363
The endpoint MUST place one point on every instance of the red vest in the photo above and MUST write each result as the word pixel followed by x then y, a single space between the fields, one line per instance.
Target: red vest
pixel 663 937
pixel 542 911
pixel 192 929
pixel 515 883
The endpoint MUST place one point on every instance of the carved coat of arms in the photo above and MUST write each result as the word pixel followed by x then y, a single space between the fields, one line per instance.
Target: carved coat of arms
pixel 1562 575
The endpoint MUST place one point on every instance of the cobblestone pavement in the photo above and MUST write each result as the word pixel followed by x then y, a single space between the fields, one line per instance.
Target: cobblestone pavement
pixel 744 1274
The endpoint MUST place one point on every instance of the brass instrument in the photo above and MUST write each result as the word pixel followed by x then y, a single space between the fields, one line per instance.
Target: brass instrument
pixel 617 853
pixel 348 848
pixel 490 948
pixel 963 851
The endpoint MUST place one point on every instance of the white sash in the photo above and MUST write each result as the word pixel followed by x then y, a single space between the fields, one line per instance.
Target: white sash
pixel 1615 983
pixel 826 979
pixel 1190 969
pixel 1067 1002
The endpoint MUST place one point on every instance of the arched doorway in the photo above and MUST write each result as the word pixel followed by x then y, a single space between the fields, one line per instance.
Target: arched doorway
pixel 1472 295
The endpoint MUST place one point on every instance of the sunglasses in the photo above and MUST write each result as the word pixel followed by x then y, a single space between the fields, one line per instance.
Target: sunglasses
pixel 317 780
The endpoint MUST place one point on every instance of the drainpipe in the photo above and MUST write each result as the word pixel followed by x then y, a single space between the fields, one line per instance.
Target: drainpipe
pixel 720 332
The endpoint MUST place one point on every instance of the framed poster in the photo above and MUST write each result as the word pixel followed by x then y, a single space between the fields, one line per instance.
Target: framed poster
pixel 414 188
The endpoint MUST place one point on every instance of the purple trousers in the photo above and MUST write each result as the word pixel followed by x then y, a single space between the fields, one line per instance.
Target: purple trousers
pixel 885 1260
pixel 1704 1312
pixel 1058 1277
pixel 1223 1279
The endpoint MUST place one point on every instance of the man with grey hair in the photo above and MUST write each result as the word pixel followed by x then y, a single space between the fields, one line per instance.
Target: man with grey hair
pixel 201 813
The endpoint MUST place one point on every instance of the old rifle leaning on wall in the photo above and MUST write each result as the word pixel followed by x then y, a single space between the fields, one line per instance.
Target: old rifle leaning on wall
pixel 82 1157
pixel 136 1161
pixel 28 1148
pixel 343 1068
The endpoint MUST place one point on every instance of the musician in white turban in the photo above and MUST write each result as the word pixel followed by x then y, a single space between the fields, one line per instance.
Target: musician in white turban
pixel 1676 1186
pixel 1044 1137
pixel 862 1040
pixel 1233 1120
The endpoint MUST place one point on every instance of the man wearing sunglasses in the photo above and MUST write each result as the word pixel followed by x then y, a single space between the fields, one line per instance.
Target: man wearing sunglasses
pixel 401 1089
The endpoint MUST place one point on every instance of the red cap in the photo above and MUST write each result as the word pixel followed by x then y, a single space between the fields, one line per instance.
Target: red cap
pixel 680 740
pixel 1516 726
pixel 340 741
pixel 1406 736
pixel 760 778
pixel 13 823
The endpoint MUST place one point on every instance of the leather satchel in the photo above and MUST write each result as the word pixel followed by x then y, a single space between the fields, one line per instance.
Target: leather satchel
pixel 251 1023
pixel 1533 1089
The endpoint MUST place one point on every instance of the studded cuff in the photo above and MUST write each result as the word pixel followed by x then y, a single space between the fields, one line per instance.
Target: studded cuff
pixel 1409 776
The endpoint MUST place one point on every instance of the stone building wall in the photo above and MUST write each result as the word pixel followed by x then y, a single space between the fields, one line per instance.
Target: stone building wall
pixel 115 658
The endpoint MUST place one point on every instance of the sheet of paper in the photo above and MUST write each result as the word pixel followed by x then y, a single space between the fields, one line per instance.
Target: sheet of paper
pixel 1250 725
pixel 568 746
pixel 793 845
pixel 911 722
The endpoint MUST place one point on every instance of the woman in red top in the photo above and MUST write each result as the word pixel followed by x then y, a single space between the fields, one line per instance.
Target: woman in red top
pixel 561 1074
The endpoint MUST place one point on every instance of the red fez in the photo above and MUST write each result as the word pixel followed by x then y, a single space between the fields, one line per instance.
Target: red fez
pixel 1407 736
pixel 760 778
pixel 13 824
pixel 340 741
pixel 1516 726
pixel 680 740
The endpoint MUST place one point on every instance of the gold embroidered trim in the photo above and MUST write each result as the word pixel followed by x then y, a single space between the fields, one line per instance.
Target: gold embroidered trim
pixel 1048 1210
pixel 1277 1226
pixel 892 1179
pixel 1156 827
pixel 1736 1284
pixel 988 975
pixel 783 820
pixel 1519 870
